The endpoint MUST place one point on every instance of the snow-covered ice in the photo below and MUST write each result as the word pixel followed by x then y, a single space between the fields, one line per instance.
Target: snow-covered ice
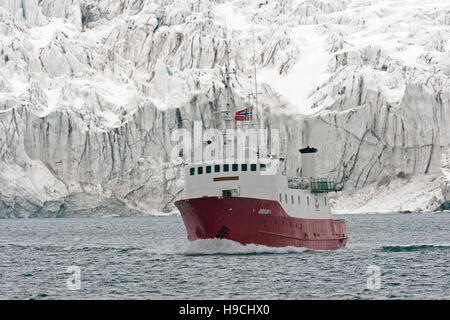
pixel 90 92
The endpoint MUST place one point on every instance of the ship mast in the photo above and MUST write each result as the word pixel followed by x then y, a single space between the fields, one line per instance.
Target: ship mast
pixel 226 80
pixel 254 71
pixel 258 138
pixel 227 140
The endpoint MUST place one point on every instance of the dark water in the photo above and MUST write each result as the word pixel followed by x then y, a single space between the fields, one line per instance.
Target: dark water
pixel 150 258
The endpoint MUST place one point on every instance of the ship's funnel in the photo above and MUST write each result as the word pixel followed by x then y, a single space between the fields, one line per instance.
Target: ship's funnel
pixel 308 162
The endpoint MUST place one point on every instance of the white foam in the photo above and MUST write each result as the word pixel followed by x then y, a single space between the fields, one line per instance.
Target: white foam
pixel 221 246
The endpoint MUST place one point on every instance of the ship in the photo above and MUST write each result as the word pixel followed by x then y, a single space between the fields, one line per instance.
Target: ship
pixel 254 201
pixel 239 202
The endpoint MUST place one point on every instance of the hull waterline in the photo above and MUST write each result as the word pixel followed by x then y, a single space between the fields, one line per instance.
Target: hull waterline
pixel 258 221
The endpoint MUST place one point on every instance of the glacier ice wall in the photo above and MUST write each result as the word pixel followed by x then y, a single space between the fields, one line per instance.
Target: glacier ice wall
pixel 90 92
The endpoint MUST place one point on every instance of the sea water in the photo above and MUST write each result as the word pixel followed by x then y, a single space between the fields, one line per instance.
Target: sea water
pixel 389 256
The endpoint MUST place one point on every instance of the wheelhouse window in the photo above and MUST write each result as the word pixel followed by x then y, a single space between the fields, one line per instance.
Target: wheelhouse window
pixel 200 170
pixel 253 167
pixel 217 168
pixel 244 167
pixel 235 167
pixel 226 167
pixel 230 193
pixel 192 171
pixel 208 169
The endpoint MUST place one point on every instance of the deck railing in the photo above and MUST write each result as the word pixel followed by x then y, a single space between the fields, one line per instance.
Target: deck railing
pixel 316 185
pixel 297 183
pixel 322 185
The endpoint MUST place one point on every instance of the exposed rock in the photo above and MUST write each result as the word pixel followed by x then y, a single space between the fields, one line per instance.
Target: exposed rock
pixel 84 205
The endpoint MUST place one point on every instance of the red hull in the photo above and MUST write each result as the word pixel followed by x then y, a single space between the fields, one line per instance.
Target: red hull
pixel 238 219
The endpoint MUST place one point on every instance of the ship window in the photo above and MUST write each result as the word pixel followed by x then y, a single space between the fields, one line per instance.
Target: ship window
pixel 208 169
pixel 307 200
pixel 217 168
pixel 298 199
pixel 192 171
pixel 262 167
pixel 200 170
pixel 253 167
pixel 234 167
pixel 226 167
pixel 325 200
pixel 285 198
pixel 244 167
pixel 292 199
pixel 281 198
pixel 230 193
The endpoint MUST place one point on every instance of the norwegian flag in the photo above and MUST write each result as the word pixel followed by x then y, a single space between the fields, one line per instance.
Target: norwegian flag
pixel 244 115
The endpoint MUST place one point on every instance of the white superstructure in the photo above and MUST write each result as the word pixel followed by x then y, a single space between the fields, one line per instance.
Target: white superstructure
pixel 256 180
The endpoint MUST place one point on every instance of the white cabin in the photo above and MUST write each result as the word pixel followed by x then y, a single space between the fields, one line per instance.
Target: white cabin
pixel 256 180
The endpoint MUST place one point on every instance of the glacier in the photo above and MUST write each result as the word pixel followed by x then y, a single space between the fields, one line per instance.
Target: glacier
pixel 91 91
